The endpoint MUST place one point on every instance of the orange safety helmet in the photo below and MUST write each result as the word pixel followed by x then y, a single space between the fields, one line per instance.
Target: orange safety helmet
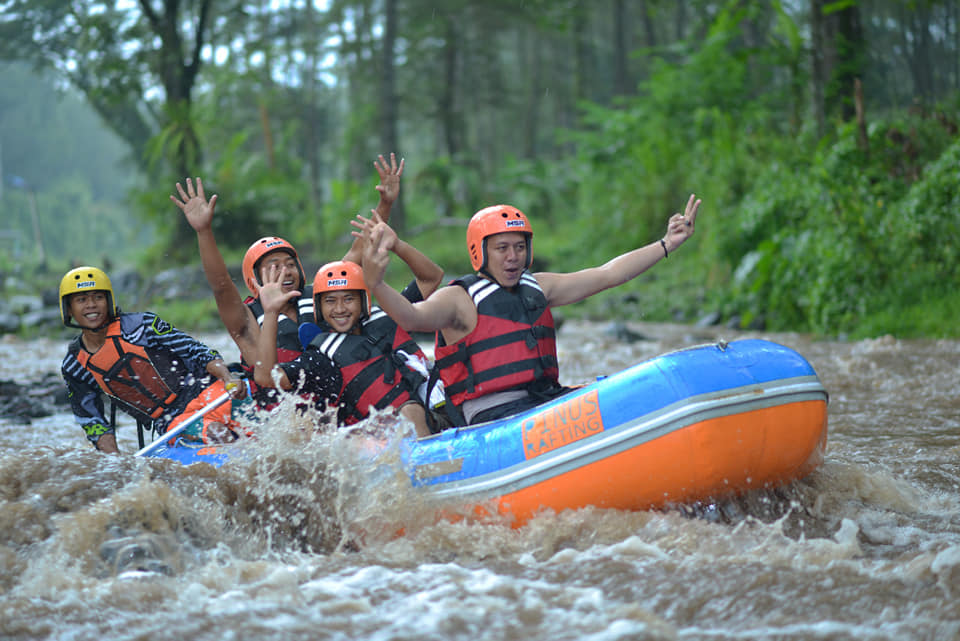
pixel 341 275
pixel 85 279
pixel 495 220
pixel 257 251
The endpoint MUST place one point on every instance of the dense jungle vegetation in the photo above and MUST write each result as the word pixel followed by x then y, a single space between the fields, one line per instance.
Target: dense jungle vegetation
pixel 822 137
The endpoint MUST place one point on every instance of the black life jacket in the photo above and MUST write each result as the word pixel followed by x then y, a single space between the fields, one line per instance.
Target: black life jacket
pixel 288 340
pixel 375 373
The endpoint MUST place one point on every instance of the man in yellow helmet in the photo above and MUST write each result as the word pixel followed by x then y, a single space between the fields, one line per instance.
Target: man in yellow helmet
pixel 153 371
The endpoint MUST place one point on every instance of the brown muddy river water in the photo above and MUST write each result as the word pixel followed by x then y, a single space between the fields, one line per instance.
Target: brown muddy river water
pixel 293 542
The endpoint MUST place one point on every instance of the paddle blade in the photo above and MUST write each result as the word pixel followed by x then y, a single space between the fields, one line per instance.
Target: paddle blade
pixel 199 414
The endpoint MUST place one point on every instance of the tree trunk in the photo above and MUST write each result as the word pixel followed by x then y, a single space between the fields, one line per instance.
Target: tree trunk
pixel 850 46
pixel 177 66
pixel 448 92
pixel 921 64
pixel 649 29
pixel 530 48
pixel 680 19
pixel 817 75
pixel 311 122
pixel 620 82
pixel 954 11
pixel 388 104
pixel 581 56
pixel 862 140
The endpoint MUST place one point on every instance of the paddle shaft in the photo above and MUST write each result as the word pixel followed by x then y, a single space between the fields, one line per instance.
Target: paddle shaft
pixel 220 400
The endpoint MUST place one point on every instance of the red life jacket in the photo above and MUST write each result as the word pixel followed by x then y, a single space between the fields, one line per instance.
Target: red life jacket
pixel 513 345
pixel 374 373
pixel 130 374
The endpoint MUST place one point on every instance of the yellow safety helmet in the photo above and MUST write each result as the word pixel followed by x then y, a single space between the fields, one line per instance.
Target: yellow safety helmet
pixel 85 279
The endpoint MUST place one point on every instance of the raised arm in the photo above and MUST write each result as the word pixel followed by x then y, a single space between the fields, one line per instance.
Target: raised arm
pixel 236 317
pixel 273 300
pixel 447 308
pixel 428 273
pixel 564 289
pixel 389 189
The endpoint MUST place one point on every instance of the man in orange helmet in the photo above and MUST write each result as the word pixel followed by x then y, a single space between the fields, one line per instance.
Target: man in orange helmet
pixel 495 339
pixel 243 317
pixel 380 365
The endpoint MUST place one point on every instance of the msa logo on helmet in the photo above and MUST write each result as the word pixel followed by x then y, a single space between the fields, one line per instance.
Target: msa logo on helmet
pixel 86 284
pixel 336 282
pixel 515 223
pixel 273 243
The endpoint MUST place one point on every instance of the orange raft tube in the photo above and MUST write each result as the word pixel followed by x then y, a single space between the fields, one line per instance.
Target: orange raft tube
pixel 700 423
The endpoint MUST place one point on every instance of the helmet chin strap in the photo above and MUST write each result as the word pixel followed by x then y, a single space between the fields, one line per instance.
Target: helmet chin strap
pixel 483 271
pixel 257 265
pixel 357 327
pixel 110 318
pixel 95 329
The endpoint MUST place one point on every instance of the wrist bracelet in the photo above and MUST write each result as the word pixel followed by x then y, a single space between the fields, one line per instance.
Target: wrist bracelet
pixel 664 245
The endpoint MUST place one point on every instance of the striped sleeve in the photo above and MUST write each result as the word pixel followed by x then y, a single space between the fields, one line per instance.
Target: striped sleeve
pixel 86 400
pixel 159 334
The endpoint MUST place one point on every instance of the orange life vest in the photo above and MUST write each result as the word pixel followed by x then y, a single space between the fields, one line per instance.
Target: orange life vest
pixel 126 372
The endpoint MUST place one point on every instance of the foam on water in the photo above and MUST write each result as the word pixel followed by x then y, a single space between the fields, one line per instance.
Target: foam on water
pixel 316 533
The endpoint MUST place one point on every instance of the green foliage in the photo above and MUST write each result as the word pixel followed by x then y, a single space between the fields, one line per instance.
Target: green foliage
pixel 923 230
pixel 64 177
pixel 834 243
pixel 176 144
pixel 261 191
pixel 821 236
pixel 931 315
pixel 70 225
pixel 449 183
pixel 47 133
pixel 690 130
pixel 796 232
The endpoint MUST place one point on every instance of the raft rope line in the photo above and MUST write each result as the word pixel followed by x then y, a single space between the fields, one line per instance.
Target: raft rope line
pixel 633 433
